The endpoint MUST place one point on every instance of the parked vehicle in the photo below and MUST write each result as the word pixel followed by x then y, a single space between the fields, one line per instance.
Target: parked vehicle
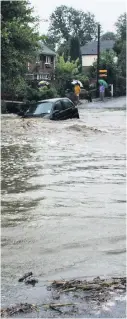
pixel 53 109
pixel 87 95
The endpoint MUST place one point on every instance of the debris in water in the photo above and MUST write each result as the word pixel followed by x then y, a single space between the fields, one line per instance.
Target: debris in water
pixel 28 279
pixel 31 281
pixel 58 305
pixel 25 276
pixel 24 308
pixel 95 285
pixel 75 296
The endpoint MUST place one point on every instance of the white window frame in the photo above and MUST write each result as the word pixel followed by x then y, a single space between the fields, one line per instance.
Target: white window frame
pixel 48 59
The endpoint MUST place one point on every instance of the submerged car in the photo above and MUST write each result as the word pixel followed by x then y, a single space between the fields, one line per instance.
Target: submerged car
pixel 53 109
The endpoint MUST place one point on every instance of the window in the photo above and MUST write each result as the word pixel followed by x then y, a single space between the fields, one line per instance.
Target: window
pixel 48 59
pixel 67 104
pixel 40 108
pixel 28 66
pixel 52 59
pixel 44 76
pixel 58 106
pixel 42 57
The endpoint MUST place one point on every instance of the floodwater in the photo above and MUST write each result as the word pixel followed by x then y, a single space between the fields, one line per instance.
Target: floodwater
pixel 63 196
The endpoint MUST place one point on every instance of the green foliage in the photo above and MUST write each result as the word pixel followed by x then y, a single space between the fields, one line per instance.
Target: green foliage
pixel 47 93
pixel 65 72
pixel 66 68
pixel 107 61
pixel 121 34
pixel 64 50
pixel 108 36
pixel 122 60
pixel 75 52
pixel 120 49
pixel 35 94
pixel 49 41
pixel 119 85
pixel 116 67
pixel 67 21
pixel 121 27
pixel 19 41
pixel 114 72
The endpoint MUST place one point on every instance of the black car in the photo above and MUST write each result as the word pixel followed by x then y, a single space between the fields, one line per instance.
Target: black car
pixel 53 109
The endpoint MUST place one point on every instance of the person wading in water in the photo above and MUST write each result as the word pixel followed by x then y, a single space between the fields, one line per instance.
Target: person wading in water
pixel 77 92
pixel 102 92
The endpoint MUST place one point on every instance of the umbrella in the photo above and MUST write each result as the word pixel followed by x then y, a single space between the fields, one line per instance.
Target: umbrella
pixel 103 83
pixel 77 82
pixel 43 83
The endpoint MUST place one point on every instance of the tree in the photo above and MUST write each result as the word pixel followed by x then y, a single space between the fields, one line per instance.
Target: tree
pixel 67 21
pixel 120 44
pixel 115 61
pixel 63 68
pixel 122 60
pixel 70 49
pixel 49 41
pixel 108 36
pixel 114 75
pixel 19 42
pixel 107 61
pixel 75 52
pixel 121 33
pixel 65 71
pixel 121 26
pixel 64 50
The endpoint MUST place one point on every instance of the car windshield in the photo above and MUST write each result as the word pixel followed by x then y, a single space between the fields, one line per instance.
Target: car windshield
pixel 40 108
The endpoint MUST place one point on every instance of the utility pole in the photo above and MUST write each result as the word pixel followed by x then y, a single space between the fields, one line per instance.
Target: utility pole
pixel 98 59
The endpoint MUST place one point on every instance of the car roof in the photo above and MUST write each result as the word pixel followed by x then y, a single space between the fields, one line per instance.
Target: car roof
pixel 55 99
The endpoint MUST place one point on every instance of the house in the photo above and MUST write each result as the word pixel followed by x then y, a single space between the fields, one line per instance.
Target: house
pixel 89 51
pixel 43 66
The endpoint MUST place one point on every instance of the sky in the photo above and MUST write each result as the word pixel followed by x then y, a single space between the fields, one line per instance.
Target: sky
pixel 106 11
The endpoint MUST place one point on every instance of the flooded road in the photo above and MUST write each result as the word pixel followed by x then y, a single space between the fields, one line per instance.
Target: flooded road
pixel 63 196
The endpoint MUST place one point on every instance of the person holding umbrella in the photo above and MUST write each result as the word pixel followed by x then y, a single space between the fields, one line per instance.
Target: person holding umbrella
pixel 102 92
pixel 103 85
pixel 77 89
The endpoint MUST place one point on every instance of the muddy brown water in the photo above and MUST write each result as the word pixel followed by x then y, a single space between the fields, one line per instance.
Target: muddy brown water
pixel 63 197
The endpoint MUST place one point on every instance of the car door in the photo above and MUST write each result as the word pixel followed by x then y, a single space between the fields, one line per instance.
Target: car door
pixel 68 107
pixel 58 111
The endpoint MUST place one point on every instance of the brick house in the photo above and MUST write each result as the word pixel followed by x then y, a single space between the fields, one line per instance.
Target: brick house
pixel 43 67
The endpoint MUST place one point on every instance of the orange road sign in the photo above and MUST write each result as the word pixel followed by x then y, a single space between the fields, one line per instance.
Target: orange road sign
pixel 102 75
pixel 102 71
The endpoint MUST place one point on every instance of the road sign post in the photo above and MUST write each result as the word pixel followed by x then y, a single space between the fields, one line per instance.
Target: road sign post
pixel 98 61
pixel 102 73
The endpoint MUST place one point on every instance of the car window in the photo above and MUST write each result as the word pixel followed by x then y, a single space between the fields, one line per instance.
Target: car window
pixel 40 108
pixel 58 106
pixel 67 104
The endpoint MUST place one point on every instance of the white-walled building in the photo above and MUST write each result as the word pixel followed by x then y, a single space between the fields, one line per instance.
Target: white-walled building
pixel 89 51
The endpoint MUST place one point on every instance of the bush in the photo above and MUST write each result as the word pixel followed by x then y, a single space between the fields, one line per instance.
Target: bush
pixel 120 86
pixel 34 95
pixel 47 93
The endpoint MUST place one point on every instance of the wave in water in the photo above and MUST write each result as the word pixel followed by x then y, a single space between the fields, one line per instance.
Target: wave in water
pixel 84 128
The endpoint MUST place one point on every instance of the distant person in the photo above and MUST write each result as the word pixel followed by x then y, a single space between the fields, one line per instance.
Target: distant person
pixel 77 91
pixel 102 92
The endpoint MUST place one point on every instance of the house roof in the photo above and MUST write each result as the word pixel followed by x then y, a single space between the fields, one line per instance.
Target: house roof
pixel 91 47
pixel 45 50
